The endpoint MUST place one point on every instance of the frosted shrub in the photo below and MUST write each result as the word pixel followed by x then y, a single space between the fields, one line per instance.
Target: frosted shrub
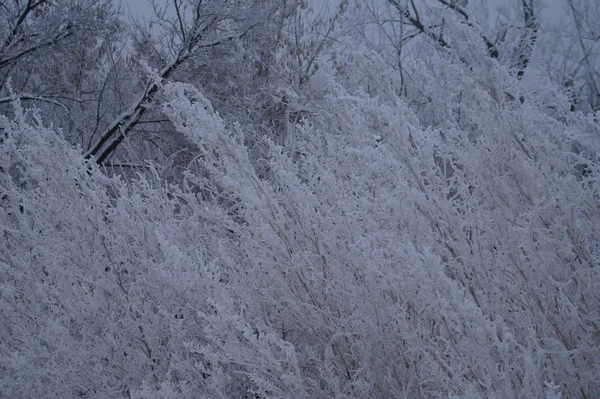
pixel 403 261
pixel 383 259
pixel 96 296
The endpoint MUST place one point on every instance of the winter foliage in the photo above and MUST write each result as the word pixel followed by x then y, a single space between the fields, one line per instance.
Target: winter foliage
pixel 322 220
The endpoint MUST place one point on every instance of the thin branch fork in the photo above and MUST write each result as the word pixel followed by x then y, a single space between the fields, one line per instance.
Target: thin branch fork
pixel 13 37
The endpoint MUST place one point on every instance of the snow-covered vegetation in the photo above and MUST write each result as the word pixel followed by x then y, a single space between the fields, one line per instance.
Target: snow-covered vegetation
pixel 274 199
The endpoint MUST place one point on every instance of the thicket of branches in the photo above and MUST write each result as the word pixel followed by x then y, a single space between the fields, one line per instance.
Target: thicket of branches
pixel 377 199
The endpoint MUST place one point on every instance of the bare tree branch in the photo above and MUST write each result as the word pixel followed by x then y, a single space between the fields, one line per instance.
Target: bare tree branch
pixel 30 97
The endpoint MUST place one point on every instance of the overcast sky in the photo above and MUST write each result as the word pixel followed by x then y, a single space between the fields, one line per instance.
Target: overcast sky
pixel 138 9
